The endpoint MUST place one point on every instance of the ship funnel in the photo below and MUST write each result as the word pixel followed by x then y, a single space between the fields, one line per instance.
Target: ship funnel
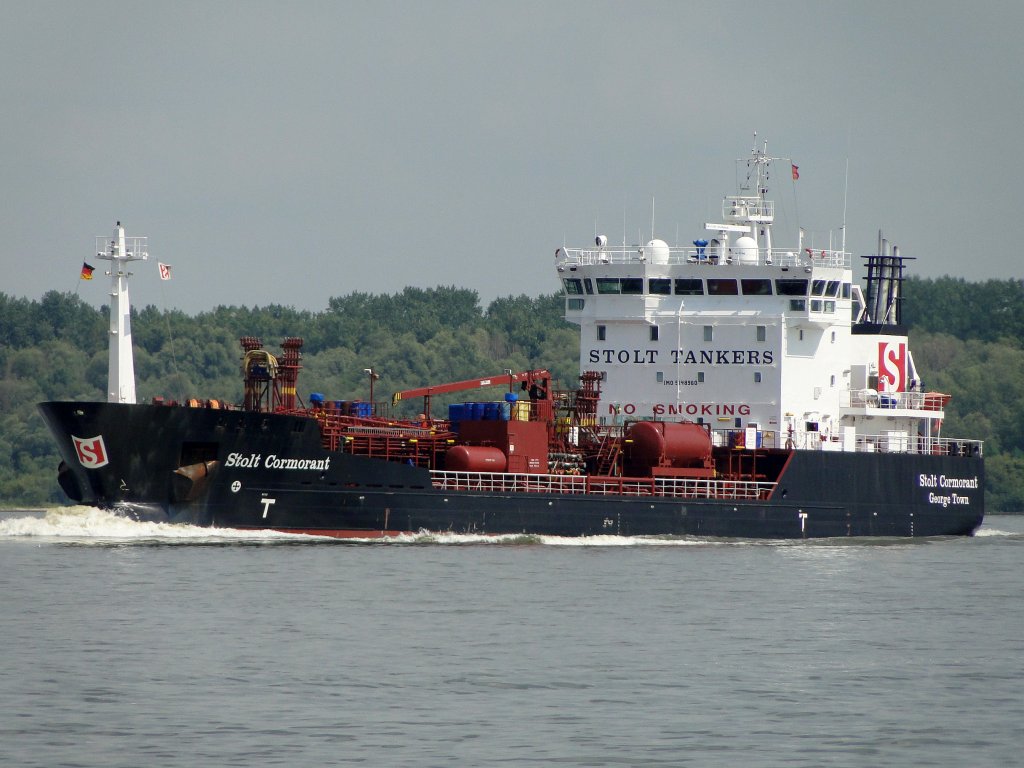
pixel 883 309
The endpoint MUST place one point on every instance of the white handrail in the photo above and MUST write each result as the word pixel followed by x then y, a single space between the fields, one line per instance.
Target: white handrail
pixel 634 254
pixel 671 487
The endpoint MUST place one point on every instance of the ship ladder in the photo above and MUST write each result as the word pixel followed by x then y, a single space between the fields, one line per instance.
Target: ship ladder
pixel 607 456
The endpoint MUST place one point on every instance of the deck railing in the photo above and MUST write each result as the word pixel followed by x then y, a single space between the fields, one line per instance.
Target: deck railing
pixel 671 487
pixel 887 442
pixel 915 401
pixel 639 254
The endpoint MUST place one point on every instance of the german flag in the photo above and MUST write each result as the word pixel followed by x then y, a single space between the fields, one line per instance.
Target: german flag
pixel 87 271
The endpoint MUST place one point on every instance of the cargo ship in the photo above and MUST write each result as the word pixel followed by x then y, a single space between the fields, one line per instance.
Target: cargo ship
pixel 729 388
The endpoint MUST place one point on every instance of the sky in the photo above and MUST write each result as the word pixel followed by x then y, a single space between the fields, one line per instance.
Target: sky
pixel 288 152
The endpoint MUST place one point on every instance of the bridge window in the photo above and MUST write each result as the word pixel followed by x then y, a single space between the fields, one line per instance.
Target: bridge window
pixel 718 286
pixel 632 285
pixel 659 286
pixel 833 288
pixel 846 290
pixel 588 284
pixel 818 288
pixel 791 287
pixel 756 287
pixel 573 286
pixel 608 285
pixel 689 287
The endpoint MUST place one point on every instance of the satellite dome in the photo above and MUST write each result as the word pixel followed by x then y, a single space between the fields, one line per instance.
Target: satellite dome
pixel 745 250
pixel 657 252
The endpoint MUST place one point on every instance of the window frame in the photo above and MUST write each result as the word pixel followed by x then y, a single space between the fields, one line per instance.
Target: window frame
pixel 688 286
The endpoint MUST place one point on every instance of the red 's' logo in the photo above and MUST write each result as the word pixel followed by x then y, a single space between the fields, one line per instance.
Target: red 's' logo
pixel 892 366
pixel 92 453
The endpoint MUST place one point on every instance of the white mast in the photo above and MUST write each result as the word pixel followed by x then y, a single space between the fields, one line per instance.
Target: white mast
pixel 121 370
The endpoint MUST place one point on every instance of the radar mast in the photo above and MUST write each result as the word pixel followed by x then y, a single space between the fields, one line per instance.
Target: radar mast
pixel 119 251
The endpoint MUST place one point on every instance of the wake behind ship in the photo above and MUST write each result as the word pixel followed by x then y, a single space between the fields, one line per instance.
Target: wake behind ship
pixel 729 388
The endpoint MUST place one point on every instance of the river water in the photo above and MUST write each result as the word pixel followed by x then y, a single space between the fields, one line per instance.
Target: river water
pixel 128 644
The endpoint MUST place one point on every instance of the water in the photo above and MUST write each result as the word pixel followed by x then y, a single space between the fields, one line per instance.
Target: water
pixel 128 644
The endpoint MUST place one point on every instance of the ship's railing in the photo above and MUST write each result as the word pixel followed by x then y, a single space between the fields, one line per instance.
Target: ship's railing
pixel 671 487
pixel 403 431
pixel 899 442
pixel 892 441
pixel 885 442
pixel 737 438
pixel 739 208
pixel 915 401
pixel 705 255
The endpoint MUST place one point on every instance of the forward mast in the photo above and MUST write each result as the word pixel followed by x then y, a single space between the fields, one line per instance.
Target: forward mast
pixel 120 251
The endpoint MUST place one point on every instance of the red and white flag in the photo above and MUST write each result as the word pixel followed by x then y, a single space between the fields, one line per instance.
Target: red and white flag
pixel 165 271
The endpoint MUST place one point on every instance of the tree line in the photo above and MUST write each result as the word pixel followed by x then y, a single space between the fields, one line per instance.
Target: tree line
pixel 966 338
pixel 55 348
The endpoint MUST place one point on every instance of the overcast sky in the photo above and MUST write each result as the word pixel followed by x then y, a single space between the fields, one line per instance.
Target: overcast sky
pixel 287 152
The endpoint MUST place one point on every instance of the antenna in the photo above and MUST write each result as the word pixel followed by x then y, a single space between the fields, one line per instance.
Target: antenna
pixel 846 189
pixel 652 217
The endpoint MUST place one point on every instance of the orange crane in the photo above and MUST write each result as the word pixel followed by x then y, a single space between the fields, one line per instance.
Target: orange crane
pixel 537 383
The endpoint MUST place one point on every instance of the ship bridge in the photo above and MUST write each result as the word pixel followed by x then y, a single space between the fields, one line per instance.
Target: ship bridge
pixel 723 331
pixel 737 333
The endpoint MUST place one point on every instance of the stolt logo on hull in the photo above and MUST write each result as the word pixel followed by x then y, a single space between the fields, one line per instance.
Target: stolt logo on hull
pixel 92 452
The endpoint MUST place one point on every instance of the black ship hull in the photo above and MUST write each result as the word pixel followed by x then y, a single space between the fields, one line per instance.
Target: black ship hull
pixel 251 470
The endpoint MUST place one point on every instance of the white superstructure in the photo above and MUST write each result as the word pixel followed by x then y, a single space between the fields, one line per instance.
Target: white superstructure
pixel 736 333
pixel 119 251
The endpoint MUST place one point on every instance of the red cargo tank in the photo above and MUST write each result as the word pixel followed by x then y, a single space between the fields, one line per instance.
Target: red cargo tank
pixel 669 444
pixel 474 458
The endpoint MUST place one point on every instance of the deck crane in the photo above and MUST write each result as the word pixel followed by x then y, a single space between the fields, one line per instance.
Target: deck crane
pixel 537 383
